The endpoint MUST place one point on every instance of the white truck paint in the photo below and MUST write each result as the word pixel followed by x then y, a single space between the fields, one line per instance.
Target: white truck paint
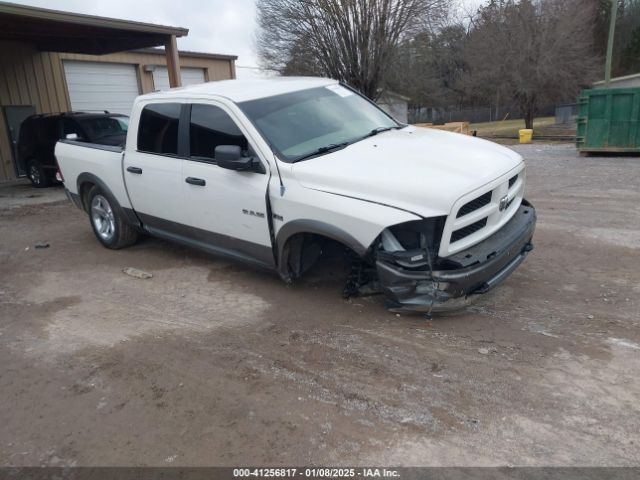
pixel 434 215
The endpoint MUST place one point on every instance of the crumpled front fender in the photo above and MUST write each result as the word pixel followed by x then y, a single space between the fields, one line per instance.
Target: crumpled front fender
pixel 433 290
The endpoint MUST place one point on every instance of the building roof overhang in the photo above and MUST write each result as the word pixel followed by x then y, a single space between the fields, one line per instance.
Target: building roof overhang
pixel 56 31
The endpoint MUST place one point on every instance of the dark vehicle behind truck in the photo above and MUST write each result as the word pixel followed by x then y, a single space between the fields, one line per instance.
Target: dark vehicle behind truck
pixel 39 134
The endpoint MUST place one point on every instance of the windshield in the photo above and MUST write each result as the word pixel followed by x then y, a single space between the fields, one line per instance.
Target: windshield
pixel 100 127
pixel 300 124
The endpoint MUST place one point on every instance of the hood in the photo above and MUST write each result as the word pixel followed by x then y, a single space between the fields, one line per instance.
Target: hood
pixel 420 170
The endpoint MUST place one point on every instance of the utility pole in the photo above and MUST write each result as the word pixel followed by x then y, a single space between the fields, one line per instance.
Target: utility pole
pixel 612 31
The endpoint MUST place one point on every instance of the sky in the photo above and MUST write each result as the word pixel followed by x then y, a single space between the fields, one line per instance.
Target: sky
pixel 215 26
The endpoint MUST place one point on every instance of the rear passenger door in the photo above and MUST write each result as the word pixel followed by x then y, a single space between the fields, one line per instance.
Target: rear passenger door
pixel 153 171
pixel 226 208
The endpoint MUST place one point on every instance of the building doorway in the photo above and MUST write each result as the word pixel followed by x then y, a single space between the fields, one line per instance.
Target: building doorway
pixel 14 116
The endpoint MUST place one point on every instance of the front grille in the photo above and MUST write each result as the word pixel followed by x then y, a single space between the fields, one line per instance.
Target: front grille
pixel 481 216
pixel 468 230
pixel 474 204
pixel 513 180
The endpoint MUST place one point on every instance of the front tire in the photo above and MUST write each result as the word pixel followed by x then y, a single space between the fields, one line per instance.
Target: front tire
pixel 108 222
pixel 37 175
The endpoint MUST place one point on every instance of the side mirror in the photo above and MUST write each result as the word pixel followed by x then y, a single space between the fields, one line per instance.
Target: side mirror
pixel 72 136
pixel 230 157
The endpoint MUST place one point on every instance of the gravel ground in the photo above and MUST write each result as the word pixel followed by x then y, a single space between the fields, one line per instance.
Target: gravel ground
pixel 214 363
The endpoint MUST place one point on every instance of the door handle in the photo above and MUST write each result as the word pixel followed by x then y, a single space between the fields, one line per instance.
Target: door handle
pixel 195 181
pixel 134 170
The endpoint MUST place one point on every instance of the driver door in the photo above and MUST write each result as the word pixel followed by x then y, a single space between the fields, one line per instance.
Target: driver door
pixel 225 208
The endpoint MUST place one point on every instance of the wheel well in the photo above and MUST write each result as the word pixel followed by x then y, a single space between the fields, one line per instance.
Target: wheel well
pixel 28 161
pixel 303 250
pixel 83 191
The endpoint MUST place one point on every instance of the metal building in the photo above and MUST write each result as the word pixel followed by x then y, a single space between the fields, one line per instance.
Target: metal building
pixel 52 61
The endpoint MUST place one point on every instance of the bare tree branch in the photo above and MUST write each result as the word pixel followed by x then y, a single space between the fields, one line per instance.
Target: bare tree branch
pixel 533 51
pixel 351 40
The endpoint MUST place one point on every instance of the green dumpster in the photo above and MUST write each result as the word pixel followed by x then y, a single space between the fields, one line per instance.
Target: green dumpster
pixel 609 120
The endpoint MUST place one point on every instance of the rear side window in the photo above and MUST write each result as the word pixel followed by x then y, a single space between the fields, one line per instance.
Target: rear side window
pixel 100 127
pixel 71 126
pixel 158 128
pixel 48 130
pixel 211 126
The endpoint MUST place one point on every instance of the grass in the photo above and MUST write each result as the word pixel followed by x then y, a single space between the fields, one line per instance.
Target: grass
pixel 508 127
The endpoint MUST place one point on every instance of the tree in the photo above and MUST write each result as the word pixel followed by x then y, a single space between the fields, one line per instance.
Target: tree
pixel 354 41
pixel 534 51
pixel 628 39
pixel 429 66
pixel 626 48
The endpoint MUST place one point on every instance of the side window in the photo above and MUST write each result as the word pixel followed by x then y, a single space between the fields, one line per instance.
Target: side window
pixel 158 128
pixel 211 126
pixel 71 126
pixel 48 130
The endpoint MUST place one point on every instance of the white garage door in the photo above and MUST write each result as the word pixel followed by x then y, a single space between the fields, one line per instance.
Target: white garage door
pixel 101 86
pixel 190 76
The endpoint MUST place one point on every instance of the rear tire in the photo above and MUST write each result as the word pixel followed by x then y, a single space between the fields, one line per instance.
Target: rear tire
pixel 108 221
pixel 37 175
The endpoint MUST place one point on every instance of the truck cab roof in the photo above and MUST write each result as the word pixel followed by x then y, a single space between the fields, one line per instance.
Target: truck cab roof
pixel 243 90
pixel 77 115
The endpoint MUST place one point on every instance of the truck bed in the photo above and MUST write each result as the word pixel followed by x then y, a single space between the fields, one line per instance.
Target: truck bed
pixel 102 163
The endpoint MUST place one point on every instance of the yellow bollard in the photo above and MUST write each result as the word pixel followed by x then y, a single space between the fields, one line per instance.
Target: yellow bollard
pixel 526 135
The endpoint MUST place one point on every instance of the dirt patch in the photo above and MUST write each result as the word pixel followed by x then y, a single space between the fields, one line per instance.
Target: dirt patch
pixel 210 362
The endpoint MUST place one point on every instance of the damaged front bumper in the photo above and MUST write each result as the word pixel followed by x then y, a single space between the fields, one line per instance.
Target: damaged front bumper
pixel 467 274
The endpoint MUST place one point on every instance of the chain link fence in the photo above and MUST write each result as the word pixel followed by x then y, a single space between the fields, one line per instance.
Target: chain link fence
pixel 439 116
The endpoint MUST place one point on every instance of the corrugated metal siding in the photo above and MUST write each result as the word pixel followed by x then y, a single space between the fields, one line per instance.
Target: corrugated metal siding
pixel 214 69
pixel 189 75
pixel 29 77
pixel 95 86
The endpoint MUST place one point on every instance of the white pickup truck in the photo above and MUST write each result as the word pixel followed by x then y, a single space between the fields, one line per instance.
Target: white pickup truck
pixel 269 171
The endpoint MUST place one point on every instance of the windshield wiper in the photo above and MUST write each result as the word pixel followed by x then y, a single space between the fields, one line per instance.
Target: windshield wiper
pixel 378 130
pixel 337 146
pixel 321 150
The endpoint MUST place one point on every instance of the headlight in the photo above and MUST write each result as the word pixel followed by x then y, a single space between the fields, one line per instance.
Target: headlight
pixel 412 245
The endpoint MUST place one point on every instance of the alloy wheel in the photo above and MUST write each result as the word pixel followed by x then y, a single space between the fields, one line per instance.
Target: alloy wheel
pixel 103 218
pixel 34 175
